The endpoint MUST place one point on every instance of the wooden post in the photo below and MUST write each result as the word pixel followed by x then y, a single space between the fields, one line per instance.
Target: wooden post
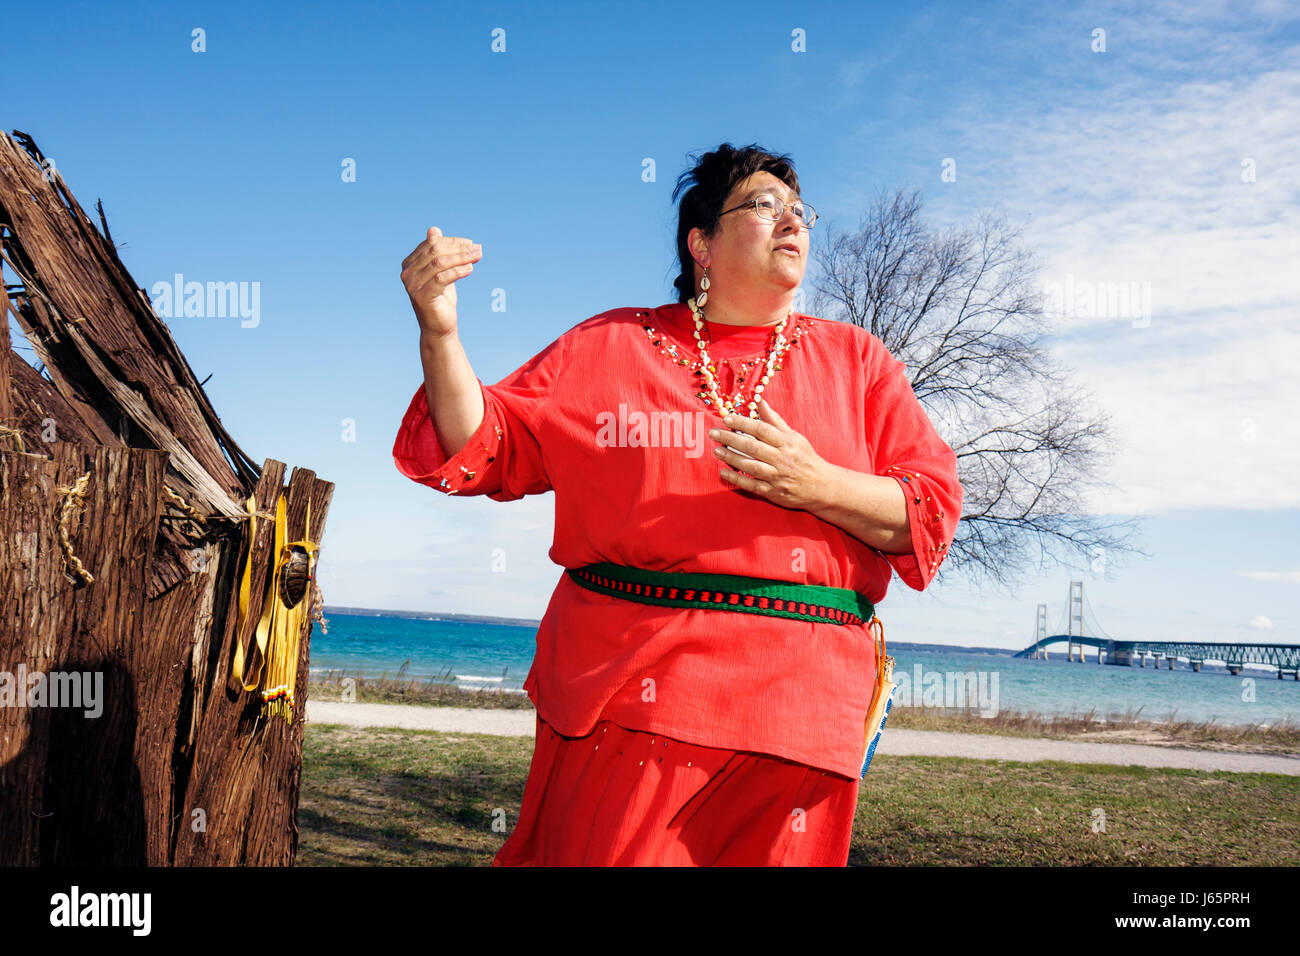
pixel 122 504
pixel 246 772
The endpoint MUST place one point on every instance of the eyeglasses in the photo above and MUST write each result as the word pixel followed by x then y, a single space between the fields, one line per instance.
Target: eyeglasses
pixel 772 209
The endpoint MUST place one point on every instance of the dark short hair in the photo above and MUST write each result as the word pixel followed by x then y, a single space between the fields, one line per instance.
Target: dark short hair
pixel 711 180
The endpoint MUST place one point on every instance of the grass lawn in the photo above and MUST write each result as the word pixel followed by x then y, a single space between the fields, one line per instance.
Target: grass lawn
pixel 424 798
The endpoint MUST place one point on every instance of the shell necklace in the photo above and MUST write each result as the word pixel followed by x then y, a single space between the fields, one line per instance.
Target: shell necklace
pixel 709 394
pixel 704 367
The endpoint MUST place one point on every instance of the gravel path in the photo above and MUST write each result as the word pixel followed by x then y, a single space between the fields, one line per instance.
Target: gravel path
pixel 471 720
pixel 896 741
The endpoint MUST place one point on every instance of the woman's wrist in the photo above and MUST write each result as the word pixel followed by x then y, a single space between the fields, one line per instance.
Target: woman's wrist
pixel 872 508
pixel 438 339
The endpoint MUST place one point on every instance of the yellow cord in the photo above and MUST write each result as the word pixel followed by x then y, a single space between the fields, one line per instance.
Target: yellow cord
pixel 280 627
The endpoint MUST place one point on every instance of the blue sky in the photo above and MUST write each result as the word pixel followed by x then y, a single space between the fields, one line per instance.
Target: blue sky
pixel 1126 165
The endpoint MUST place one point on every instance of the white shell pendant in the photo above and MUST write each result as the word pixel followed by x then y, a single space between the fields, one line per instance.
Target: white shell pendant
pixel 704 297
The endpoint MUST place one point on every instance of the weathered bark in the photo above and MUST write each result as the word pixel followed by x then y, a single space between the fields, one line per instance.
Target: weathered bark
pixel 70 782
pixel 246 771
pixel 154 612
pixel 106 351
pixel 6 405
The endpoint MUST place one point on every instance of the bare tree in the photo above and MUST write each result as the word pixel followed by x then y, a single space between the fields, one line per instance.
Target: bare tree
pixel 962 310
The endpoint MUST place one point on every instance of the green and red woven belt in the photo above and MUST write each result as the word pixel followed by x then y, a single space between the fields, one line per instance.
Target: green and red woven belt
pixel 728 592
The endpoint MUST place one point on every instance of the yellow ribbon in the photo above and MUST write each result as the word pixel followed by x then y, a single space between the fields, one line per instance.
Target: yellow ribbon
pixel 280 626
pixel 884 683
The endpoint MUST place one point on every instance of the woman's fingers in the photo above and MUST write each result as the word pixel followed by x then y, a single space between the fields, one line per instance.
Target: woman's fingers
pixel 435 246
pixel 448 276
pixel 430 284
pixel 444 268
pixel 438 259
pixel 430 272
pixel 445 259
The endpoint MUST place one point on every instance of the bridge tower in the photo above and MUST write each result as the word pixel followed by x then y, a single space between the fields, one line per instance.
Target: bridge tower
pixel 1040 632
pixel 1076 615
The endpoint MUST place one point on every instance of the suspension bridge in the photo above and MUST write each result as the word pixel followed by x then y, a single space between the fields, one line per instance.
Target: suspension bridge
pixel 1285 657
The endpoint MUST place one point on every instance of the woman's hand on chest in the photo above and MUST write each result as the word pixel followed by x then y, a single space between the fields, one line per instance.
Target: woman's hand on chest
pixel 767 457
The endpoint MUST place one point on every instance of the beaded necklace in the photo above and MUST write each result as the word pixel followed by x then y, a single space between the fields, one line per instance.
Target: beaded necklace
pixel 704 368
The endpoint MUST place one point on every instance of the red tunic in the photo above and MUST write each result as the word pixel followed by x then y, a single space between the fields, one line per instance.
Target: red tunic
pixel 620 797
pixel 639 493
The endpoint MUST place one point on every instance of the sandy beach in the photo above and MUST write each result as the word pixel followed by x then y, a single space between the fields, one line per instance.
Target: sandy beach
pixel 895 741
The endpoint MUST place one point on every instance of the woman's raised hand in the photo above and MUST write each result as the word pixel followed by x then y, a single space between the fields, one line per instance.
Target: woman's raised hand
pixel 429 274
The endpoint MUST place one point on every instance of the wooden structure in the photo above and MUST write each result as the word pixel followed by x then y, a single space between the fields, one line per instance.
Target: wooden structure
pixel 123 535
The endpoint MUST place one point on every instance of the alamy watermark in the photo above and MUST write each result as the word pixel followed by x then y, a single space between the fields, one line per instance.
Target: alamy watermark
pixel 215 300
pixel 961 690
pixel 638 429
pixel 76 908
pixel 76 689
pixel 1105 300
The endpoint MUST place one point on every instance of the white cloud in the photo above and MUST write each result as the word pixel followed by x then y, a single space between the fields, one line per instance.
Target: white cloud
pixel 1140 181
pixel 1285 577
pixel 454 540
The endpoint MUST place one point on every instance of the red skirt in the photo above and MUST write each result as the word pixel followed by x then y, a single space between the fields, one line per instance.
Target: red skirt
pixel 620 797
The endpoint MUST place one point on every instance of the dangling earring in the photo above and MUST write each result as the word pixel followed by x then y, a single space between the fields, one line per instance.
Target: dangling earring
pixel 704 289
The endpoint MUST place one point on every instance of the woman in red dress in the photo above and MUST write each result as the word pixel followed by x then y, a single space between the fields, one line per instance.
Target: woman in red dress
pixel 732 492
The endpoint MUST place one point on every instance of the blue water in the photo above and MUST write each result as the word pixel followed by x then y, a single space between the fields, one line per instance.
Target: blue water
pixel 476 655
pixel 471 655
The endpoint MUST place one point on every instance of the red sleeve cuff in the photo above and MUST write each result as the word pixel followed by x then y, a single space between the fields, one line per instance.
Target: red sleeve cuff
pixel 472 470
pixel 933 513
